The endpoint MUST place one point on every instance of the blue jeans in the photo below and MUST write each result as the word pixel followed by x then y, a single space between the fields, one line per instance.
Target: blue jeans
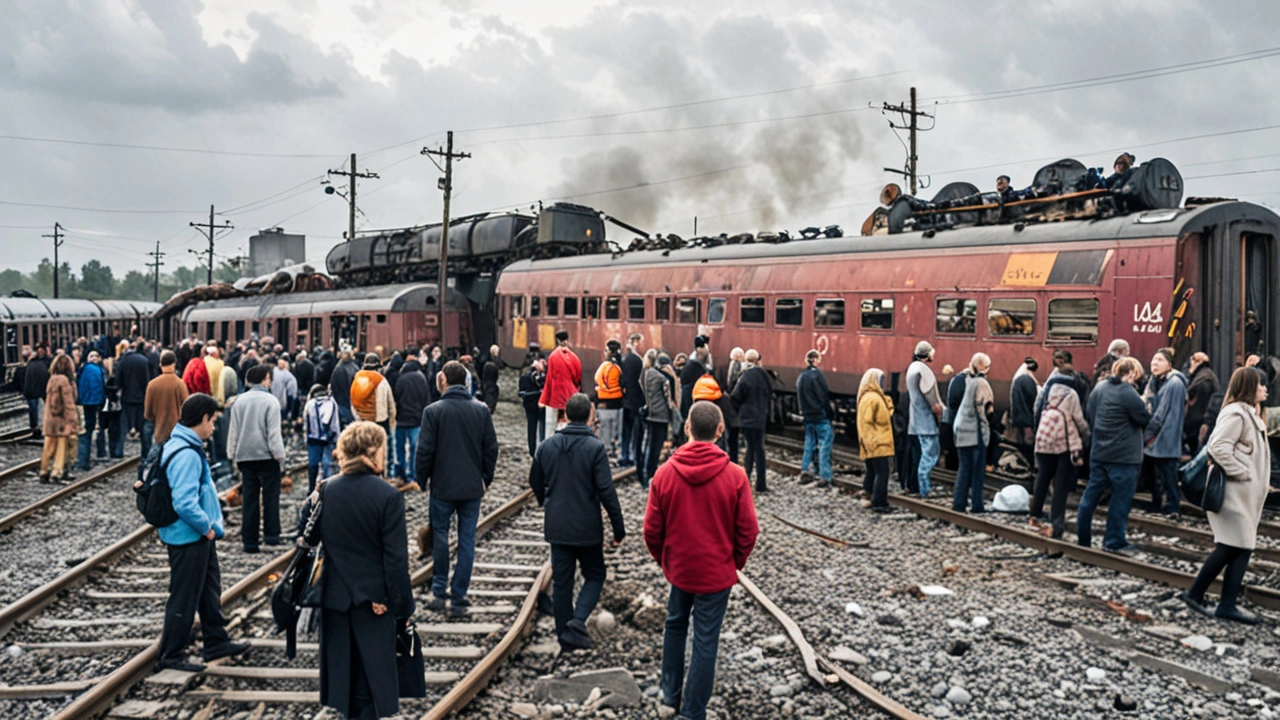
pixel 319 459
pixel 970 477
pixel 404 460
pixel 819 434
pixel 442 512
pixel 1121 478
pixel 150 451
pixel 929 452
pixel 708 615
pixel 345 416
pixel 86 440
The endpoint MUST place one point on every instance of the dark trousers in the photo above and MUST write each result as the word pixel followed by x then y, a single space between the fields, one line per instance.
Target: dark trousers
pixel 657 432
pixel 970 478
pixel 1059 469
pixel 565 561
pixel 1165 476
pixel 909 471
pixel 260 479
pixel 134 420
pixel 628 430
pixel 33 414
pixel 1224 557
pixel 876 481
pixel 707 612
pixel 112 423
pixel 195 586
pixel 755 455
pixel 537 422
pixel 638 427
pixel 85 444
pixel 731 443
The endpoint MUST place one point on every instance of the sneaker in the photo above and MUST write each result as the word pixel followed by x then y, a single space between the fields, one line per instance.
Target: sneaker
pixel 1127 551
pixel 227 650
pixel 1235 614
pixel 1194 604
pixel 181 665
pixel 459 611
pixel 882 508
pixel 437 603
pixel 807 478
pixel 575 636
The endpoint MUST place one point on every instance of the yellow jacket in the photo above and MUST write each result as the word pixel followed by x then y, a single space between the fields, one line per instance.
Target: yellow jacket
pixel 875 423
pixel 215 366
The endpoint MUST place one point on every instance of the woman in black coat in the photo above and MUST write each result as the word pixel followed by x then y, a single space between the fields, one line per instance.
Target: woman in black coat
pixel 367 595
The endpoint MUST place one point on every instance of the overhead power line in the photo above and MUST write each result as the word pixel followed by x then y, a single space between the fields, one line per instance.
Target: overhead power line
pixel 98 210
pixel 161 148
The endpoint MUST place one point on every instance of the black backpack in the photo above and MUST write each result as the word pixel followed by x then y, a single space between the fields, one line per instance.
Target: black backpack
pixel 154 496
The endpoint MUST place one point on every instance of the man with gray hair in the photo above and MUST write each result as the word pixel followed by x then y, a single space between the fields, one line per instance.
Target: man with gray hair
pixel 1116 350
pixel 922 426
pixel 751 398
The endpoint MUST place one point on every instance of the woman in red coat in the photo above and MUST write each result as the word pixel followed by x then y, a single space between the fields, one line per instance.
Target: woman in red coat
pixel 564 378
pixel 196 377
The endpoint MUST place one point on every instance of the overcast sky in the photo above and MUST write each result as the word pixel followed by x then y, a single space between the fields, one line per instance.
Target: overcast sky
pixel 749 115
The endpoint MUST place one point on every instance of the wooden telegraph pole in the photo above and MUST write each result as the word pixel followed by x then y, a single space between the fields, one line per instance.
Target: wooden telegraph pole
pixel 445 184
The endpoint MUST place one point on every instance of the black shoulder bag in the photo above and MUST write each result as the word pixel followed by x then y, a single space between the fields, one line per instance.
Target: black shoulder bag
pixel 411 669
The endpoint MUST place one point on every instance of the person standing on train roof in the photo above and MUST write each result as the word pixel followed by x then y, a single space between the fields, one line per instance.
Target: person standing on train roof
pixel 489 372
pixel 1123 168
pixel 608 380
pixel 700 525
pixel 214 364
pixel 1166 399
pixel 457 454
pixel 35 380
pixel 632 400
pixel 1201 388
pixel 752 397
pixel 340 386
pixel 163 405
pixel 256 445
pixel 1117 417
pixel 814 398
pixel 564 378
pixel 195 581
pixel 91 389
pixel 922 427
pixel 570 477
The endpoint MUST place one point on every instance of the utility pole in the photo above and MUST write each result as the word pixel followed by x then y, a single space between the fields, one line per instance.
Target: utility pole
pixel 913 158
pixel 211 229
pixel 57 243
pixel 155 264
pixel 446 184
pixel 351 194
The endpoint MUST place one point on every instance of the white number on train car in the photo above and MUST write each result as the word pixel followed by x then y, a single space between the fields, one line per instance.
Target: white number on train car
pixel 1148 319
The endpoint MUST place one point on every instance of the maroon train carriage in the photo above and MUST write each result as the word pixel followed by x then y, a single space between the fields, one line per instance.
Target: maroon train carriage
pixel 31 321
pixel 1201 278
pixel 384 317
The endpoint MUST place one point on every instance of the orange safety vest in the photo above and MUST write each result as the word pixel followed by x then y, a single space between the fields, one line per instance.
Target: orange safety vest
pixel 609 381
pixel 364 394
pixel 706 389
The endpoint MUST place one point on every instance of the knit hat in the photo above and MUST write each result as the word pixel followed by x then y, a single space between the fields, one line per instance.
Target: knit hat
pixel 562 336
pixel 700 341
pixel 371 362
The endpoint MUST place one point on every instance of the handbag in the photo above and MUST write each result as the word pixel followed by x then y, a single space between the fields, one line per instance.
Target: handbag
pixel 1214 489
pixel 411 669
pixel 312 595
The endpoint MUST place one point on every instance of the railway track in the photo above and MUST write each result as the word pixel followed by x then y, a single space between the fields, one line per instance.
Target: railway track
pixel 17 515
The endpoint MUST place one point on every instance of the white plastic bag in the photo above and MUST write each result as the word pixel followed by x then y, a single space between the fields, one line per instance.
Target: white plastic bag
pixel 1012 499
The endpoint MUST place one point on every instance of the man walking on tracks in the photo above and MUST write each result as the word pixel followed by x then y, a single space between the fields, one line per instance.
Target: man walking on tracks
pixel 564 378
pixel 255 444
pixel 700 525
pixel 632 400
pixel 457 454
pixel 166 393
pixel 195 581
pixel 571 479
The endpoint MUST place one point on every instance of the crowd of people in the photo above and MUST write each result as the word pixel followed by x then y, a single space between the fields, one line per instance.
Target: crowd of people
pixel 375 427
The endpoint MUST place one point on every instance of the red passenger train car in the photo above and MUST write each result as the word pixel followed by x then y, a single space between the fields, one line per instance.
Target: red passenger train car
pixel 1200 278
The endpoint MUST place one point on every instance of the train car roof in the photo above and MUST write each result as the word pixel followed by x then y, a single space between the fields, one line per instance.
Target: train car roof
pixel 406 297
pixel 20 309
pixel 1148 224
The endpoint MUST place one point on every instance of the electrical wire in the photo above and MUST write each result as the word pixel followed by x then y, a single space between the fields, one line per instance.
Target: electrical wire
pixel 160 148
pixel 99 210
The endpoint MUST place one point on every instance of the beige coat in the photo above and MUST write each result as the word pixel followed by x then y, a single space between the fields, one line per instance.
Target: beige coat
pixel 1239 446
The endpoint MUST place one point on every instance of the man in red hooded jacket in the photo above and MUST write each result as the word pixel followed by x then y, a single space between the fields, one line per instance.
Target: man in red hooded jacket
pixel 700 525
pixel 564 378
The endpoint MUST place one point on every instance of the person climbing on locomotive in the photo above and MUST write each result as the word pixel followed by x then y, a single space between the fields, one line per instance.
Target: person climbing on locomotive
pixel 1123 167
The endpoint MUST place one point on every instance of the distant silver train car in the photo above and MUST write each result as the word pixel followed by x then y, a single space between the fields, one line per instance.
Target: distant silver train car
pixel 30 321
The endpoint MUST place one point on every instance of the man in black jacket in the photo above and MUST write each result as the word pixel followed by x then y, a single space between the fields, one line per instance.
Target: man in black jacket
pixel 632 400
pixel 340 387
pixel 35 381
pixel 1204 383
pixel 410 393
pixel 570 477
pixel 304 371
pixel 695 368
pixel 489 378
pixel 813 396
pixel 134 373
pixel 457 453
pixel 751 397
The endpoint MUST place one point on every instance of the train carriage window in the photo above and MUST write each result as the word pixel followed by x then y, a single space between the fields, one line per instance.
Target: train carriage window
pixel 828 313
pixel 535 306
pixel 517 306
pixel 1012 316
pixel 788 311
pixel 715 311
pixel 26 334
pixel 1073 319
pixel 239 330
pixel 592 308
pixel 877 313
pixel 662 309
pixel 635 308
pixel 957 316
pixel 553 306
pixel 689 310
pixel 751 310
pixel 613 308
pixel 382 319
pixel 226 330
pixel 571 307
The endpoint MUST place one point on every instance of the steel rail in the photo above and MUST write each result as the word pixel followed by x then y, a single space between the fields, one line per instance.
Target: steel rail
pixel 17 516
pixel 476 680
pixel 12 436
pixel 19 469
pixel 821 536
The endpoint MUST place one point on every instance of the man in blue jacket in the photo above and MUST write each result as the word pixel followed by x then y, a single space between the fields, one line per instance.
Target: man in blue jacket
pixel 814 398
pixel 91 393
pixel 195 582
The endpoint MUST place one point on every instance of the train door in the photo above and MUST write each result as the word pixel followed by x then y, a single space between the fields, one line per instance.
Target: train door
pixel 1257 302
